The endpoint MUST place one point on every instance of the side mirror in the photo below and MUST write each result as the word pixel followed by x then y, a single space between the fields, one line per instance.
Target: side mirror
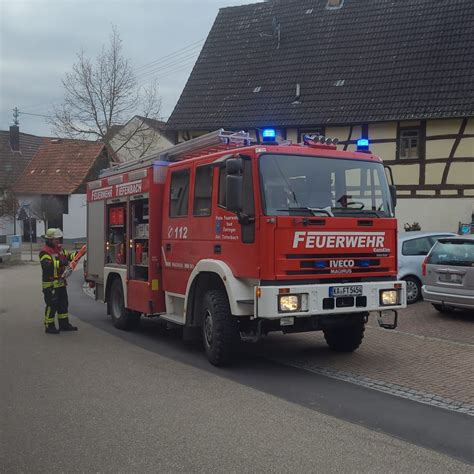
pixel 393 194
pixel 234 166
pixel 234 192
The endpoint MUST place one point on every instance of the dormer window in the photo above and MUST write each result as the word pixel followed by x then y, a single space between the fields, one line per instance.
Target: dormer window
pixel 334 4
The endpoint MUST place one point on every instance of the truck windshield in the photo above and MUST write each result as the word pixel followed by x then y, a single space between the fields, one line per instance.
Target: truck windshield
pixel 310 185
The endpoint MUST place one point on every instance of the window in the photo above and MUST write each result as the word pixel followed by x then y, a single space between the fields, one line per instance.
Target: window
pixel 308 185
pixel 203 191
pixel 455 252
pixel 334 4
pixel 179 192
pixel 417 246
pixel 222 183
pixel 409 143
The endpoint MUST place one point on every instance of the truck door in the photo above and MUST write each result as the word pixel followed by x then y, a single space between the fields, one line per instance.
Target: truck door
pixel 175 251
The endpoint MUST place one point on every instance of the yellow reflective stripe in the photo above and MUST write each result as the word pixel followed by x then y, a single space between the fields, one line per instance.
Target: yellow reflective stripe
pixel 47 314
pixel 63 315
pixel 46 257
pixel 58 283
pixel 47 284
pixel 56 267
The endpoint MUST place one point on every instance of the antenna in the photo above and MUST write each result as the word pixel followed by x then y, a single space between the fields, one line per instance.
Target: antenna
pixel 276 32
pixel 15 116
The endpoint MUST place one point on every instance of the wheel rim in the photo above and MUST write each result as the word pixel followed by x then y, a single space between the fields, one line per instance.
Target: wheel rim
pixel 412 291
pixel 208 328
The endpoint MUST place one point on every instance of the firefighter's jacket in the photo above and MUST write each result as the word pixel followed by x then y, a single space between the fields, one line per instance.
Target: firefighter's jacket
pixel 54 261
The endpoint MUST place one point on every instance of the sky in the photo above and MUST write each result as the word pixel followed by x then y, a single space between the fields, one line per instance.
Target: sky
pixel 39 41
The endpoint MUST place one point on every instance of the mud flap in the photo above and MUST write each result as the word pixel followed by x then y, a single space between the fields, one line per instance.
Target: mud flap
pixel 388 314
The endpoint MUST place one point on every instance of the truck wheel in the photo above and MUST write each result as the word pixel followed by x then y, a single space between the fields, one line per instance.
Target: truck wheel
pixel 346 338
pixel 220 331
pixel 122 317
pixel 413 289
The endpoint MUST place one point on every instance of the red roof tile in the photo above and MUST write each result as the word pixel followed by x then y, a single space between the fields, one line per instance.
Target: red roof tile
pixel 59 167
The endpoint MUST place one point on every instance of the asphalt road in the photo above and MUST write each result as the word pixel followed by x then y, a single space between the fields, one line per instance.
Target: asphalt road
pixel 103 400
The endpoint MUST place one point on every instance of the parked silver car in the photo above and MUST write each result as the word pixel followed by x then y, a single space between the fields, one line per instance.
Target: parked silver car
pixel 5 253
pixel 448 274
pixel 413 247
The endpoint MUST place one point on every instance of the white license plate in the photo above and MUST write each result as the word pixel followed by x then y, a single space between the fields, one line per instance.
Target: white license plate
pixel 450 278
pixel 353 290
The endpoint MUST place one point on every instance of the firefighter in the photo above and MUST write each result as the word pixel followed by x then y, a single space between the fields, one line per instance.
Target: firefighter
pixel 54 259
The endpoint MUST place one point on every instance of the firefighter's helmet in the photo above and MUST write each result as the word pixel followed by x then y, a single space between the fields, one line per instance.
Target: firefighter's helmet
pixel 53 234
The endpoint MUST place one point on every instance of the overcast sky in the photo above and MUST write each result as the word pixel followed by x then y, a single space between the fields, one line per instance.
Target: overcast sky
pixel 39 40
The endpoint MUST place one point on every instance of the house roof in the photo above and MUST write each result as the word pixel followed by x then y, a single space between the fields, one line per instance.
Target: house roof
pixel 371 60
pixel 12 163
pixel 158 125
pixel 60 166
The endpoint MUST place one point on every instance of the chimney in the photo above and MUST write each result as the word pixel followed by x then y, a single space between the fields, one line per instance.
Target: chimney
pixel 15 137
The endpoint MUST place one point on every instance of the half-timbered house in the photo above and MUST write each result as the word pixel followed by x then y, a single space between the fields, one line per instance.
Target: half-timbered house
pixel 400 73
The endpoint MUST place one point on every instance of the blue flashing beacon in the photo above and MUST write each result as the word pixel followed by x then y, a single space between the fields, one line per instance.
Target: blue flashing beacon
pixel 362 144
pixel 268 135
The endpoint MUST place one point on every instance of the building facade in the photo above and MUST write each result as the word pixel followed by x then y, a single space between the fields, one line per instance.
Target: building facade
pixel 16 151
pixel 392 72
pixel 51 191
pixel 139 137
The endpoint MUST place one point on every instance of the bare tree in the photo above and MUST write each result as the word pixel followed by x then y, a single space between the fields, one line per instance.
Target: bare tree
pixel 46 209
pixel 100 95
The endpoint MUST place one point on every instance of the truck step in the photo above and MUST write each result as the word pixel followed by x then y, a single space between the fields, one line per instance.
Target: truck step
pixel 173 318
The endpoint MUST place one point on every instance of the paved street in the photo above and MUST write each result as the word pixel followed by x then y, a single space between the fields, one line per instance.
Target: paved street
pixel 429 353
pixel 103 400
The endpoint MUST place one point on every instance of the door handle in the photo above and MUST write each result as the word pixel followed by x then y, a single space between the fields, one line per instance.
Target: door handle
pixel 168 247
pixel 217 249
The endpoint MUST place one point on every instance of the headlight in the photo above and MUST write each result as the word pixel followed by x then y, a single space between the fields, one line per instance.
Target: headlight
pixel 389 297
pixel 289 303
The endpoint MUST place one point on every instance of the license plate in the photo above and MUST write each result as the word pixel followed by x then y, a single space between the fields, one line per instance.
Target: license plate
pixel 353 290
pixel 450 278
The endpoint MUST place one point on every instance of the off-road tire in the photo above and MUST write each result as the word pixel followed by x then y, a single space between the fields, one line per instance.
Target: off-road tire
pixel 220 331
pixel 346 338
pixel 413 287
pixel 122 317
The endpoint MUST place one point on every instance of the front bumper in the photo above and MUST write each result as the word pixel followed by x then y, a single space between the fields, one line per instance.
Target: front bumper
pixel 448 299
pixel 315 298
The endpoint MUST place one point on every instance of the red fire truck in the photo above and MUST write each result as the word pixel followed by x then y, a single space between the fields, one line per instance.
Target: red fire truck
pixel 233 240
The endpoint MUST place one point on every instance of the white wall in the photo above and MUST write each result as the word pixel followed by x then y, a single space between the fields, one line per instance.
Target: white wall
pixel 435 214
pixel 146 141
pixel 6 226
pixel 75 221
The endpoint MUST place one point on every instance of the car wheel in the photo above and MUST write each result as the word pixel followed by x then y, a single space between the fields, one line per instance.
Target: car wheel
pixel 413 289
pixel 442 308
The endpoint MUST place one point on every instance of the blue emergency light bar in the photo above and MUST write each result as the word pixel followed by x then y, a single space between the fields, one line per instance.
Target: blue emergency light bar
pixel 268 134
pixel 363 144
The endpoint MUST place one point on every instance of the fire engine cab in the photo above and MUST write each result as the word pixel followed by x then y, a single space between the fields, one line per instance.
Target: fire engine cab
pixel 234 240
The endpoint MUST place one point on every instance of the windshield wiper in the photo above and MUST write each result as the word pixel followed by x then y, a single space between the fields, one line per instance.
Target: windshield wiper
pixel 312 210
pixel 359 211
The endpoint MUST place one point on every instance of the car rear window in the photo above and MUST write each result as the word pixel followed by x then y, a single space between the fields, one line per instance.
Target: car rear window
pixel 453 252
